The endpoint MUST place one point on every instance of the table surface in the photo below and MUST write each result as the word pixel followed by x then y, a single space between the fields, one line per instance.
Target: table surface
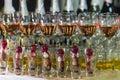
pixel 101 75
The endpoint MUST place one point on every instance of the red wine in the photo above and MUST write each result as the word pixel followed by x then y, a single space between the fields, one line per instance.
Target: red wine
pixel 109 31
pixel 88 30
pixel 67 30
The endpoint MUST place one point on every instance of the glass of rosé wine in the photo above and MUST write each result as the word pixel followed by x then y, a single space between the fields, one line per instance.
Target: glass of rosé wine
pixel 88 24
pixel 28 29
pixel 47 25
pixel 109 27
pixel 110 30
pixel 67 24
pixel 67 27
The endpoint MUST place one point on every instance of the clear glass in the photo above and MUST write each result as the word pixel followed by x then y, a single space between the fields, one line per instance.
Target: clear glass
pixel 108 27
pixel 18 63
pixel 54 62
pixel 88 24
pixel 75 66
pixel 48 25
pixel 39 63
pixel 10 61
pixel 3 60
pixel 32 64
pixel 67 28
pixel 25 61
pixel 61 67
pixel 46 64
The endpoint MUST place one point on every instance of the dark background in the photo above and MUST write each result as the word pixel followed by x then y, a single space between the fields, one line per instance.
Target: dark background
pixel 31 4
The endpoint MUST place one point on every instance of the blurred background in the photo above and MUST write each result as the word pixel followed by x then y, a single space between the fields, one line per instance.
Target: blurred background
pixel 31 4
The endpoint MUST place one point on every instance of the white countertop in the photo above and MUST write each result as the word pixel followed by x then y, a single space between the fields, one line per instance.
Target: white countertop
pixel 15 77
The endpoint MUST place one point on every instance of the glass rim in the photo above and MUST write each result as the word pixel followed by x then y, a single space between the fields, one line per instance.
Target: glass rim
pixel 111 14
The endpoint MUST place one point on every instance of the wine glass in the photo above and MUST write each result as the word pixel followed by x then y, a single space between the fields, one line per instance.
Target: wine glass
pixel 108 24
pixel 48 25
pixel 88 23
pixel 109 28
pixel 10 28
pixel 28 29
pixel 67 26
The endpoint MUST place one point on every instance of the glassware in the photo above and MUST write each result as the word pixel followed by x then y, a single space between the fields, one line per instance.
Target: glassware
pixel 10 61
pixel 67 26
pixel 32 61
pixel 25 61
pixel 18 61
pixel 116 57
pixel 10 28
pixel 60 64
pixel 28 29
pixel 39 62
pixel 109 28
pixel 108 24
pixel 89 63
pixel 101 56
pixel 46 61
pixel 116 60
pixel 3 57
pixel 75 64
pixel 53 59
pixel 11 24
pixel 48 26
pixel 88 24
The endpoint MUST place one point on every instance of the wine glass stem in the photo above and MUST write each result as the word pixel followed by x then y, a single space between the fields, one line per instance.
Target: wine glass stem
pixel 88 43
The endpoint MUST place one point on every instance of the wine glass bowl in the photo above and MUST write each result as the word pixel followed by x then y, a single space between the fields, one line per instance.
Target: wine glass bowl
pixel 28 25
pixel 48 29
pixel 108 24
pixel 10 24
pixel 48 24
pixel 87 24
pixel 67 24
